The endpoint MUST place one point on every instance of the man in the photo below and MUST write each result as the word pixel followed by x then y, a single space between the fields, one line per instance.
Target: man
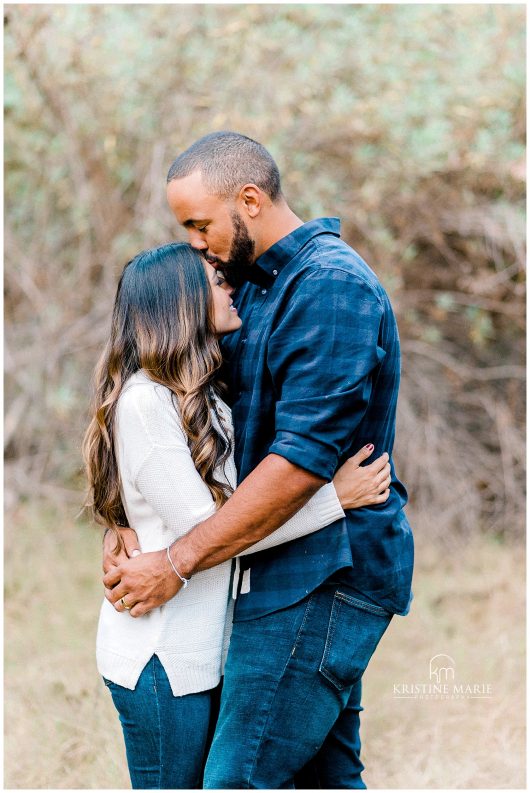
pixel 314 375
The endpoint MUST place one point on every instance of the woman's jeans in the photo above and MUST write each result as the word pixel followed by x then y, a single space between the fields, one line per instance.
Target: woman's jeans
pixel 166 737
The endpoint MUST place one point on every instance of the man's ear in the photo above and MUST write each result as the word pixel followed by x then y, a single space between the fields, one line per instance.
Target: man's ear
pixel 251 198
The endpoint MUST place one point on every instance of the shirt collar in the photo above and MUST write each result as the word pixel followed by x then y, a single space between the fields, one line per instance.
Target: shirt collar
pixel 280 254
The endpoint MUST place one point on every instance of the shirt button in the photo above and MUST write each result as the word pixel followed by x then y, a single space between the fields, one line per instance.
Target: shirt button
pixel 243 341
pixel 263 291
pixel 275 272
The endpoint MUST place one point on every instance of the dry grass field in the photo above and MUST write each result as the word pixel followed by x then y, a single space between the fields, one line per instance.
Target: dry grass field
pixel 62 731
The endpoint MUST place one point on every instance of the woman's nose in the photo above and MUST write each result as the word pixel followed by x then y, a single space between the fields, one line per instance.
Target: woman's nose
pixel 228 287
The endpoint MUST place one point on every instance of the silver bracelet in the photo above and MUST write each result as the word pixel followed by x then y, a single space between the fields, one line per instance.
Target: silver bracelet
pixel 185 581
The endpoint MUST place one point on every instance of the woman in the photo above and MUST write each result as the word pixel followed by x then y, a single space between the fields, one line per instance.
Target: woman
pixel 159 458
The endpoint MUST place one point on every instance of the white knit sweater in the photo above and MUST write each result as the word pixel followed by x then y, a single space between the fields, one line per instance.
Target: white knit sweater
pixel 164 497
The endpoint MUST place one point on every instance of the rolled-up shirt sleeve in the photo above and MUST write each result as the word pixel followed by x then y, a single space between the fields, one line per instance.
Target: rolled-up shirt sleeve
pixel 322 357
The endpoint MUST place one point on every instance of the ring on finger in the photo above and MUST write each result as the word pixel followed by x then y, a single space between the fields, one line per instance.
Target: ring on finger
pixel 124 604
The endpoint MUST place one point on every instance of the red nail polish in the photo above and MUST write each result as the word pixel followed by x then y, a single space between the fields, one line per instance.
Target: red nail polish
pixel 369 446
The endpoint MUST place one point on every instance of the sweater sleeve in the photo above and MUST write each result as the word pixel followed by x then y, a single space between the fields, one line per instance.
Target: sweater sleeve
pixel 321 510
pixel 158 460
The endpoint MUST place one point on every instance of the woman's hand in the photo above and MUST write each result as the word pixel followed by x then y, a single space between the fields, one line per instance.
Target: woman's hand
pixel 361 486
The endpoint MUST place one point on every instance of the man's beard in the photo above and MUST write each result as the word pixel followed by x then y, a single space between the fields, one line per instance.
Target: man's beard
pixel 241 256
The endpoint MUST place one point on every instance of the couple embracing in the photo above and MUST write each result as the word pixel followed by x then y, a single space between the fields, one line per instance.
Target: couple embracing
pixel 247 376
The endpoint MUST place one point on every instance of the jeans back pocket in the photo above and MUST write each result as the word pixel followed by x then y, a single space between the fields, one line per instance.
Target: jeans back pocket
pixel 354 631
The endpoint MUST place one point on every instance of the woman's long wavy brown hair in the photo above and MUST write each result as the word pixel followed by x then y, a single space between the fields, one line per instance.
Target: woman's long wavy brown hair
pixel 162 322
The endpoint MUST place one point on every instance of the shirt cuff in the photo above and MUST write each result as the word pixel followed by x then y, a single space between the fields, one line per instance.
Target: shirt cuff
pixel 315 457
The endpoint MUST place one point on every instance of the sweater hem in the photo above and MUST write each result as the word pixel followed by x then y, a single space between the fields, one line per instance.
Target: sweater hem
pixel 183 680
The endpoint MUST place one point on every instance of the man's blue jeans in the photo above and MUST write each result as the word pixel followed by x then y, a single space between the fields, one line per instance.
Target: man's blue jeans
pixel 166 737
pixel 291 695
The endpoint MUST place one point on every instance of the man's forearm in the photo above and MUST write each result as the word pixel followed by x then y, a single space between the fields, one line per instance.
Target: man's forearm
pixel 269 496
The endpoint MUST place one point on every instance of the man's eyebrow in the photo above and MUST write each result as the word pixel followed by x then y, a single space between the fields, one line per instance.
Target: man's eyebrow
pixel 193 222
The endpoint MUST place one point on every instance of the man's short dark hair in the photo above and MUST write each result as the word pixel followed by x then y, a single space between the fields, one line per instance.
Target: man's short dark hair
pixel 227 161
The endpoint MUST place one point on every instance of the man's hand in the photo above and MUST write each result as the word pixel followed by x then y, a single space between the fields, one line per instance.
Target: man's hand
pixel 131 548
pixel 145 582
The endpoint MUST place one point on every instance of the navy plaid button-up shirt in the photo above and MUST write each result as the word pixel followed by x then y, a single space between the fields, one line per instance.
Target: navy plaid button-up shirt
pixel 314 375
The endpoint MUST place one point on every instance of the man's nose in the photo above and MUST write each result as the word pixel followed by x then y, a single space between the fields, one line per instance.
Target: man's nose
pixel 196 240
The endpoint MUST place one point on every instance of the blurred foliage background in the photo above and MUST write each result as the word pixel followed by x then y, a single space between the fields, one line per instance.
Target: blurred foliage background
pixel 408 122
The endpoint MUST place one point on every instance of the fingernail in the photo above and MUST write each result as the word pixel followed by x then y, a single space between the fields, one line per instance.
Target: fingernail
pixel 369 446
pixel 136 552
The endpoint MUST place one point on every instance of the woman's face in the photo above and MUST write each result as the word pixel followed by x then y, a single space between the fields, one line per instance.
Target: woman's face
pixel 225 316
